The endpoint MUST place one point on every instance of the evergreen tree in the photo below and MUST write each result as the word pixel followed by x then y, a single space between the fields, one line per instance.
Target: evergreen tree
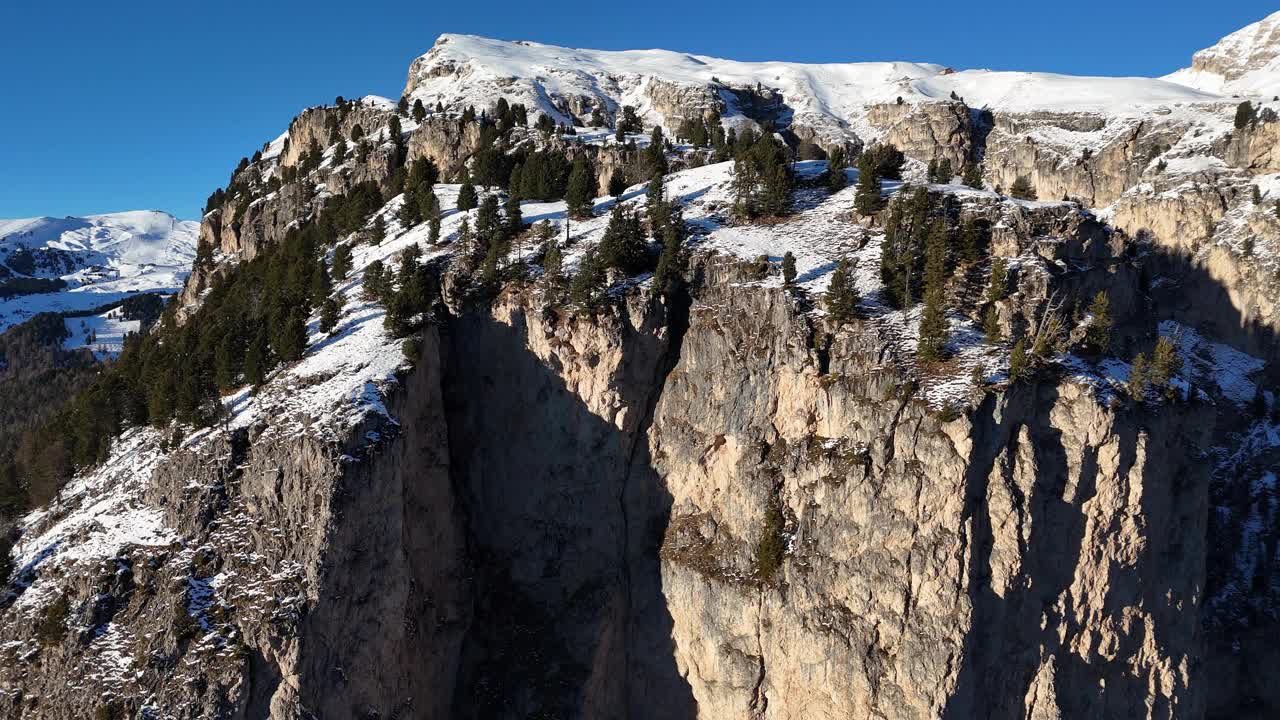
pixel 868 201
pixel 587 287
pixel 1165 364
pixel 1256 195
pixel 374 282
pixel 788 268
pixel 552 261
pixel 1022 189
pixel 514 217
pixel 321 283
pixel 1018 362
pixel 467 198
pixel 341 261
pixel 340 152
pixel 672 260
pixel 377 230
pixel 419 112
pixel 1246 116
pixel 1139 373
pixel 580 193
pixel 842 296
pixel 357 133
pixel 991 325
pixel 1098 334
pixel 229 360
pixel 970 245
pixel 933 321
pixel 257 358
pixel 329 312
pixel 655 157
pixel 433 229
pixel 402 107
pixel 998 283
pixel 290 340
pixel 944 171
pixel 836 179
pixel 617 184
pixel 623 244
pixel 762 178
pixel 973 176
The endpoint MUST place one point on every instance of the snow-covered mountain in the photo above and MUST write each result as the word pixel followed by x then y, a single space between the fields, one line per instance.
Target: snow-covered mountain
pixel 833 99
pixel 78 263
pixel 1245 63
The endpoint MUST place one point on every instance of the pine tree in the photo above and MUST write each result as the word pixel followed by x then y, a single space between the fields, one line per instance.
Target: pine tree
pixel 340 152
pixel 991 325
pixel 1256 195
pixel 1139 373
pixel 1018 361
pixel 581 190
pixel 623 244
pixel 402 107
pixel 973 175
pixel 433 229
pixel 514 217
pixel 842 297
pixel 378 230
pixel 257 358
pixel 374 282
pixel 321 283
pixel 655 157
pixel 419 112
pixel 788 268
pixel 1022 189
pixel 1246 116
pixel 467 198
pixel 868 201
pixel 1098 334
pixel 552 261
pixel 762 177
pixel 341 261
pixel 970 245
pixel 587 286
pixel 836 179
pixel 998 283
pixel 357 133
pixel 671 263
pixel 1165 364
pixel 617 184
pixel 290 340
pixel 933 321
pixel 329 312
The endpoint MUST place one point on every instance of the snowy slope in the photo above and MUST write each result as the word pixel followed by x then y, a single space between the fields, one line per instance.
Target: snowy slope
pixel 101 258
pixel 1246 62
pixel 467 70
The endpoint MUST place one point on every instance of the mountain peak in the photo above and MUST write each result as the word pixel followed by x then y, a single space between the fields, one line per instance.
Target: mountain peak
pixel 1246 62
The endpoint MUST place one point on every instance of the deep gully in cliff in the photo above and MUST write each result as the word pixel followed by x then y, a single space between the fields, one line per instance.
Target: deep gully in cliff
pixel 680 302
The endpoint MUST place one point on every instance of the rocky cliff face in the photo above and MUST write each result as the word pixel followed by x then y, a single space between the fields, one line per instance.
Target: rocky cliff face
pixel 568 516
pixel 714 502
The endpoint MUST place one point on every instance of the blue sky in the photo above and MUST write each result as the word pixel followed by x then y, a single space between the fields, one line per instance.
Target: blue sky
pixel 110 106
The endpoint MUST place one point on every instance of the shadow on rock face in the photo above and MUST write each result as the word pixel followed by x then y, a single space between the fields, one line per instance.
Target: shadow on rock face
pixel 564 518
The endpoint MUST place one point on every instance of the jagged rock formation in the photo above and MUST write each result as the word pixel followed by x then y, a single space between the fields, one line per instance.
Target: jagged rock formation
pixel 714 502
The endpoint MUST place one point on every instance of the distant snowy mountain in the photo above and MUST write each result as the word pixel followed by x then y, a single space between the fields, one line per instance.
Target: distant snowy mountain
pixel 1246 62
pixel 78 263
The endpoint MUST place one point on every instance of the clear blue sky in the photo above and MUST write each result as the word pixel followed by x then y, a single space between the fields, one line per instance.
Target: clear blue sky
pixel 142 104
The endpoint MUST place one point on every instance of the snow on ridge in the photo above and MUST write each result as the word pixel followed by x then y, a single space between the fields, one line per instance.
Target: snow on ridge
pixel 468 69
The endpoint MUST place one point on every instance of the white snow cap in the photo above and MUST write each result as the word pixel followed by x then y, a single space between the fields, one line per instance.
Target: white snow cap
pixel 465 70
pixel 1246 62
